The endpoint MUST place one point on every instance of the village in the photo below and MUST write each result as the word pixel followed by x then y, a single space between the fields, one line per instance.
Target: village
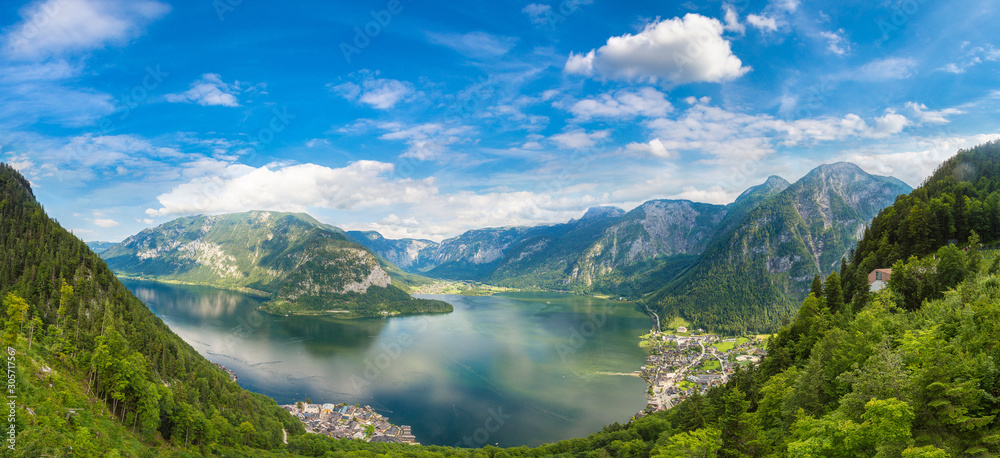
pixel 343 421
pixel 682 363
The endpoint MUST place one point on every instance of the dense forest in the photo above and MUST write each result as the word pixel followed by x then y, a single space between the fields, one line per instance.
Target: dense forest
pixel 66 312
pixel 961 197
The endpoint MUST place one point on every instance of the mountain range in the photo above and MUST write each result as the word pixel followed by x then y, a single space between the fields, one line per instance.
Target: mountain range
pixel 681 258
pixel 684 258
pixel 300 264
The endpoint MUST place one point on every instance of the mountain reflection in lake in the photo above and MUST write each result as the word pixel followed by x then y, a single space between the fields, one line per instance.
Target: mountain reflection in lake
pixel 538 362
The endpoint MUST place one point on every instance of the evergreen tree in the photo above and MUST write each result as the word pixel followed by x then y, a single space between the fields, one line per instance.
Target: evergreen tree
pixel 817 287
pixel 833 295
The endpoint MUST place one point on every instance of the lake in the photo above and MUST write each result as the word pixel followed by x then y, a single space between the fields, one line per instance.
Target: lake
pixel 548 366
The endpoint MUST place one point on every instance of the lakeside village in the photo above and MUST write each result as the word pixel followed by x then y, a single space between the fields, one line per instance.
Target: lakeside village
pixel 681 363
pixel 342 421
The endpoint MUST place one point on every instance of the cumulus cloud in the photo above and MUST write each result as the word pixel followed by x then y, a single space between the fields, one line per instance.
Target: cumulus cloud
pixel 712 195
pixel 915 161
pixel 733 136
pixel 56 27
pixel 209 90
pixel 447 215
pixel 653 148
pixel 625 103
pixel 105 222
pixel 671 51
pixel 293 188
pixel 579 139
pixel 381 93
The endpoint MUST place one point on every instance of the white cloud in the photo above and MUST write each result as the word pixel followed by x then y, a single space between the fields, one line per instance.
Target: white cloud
pixel 732 19
pixel 787 5
pixel 537 12
pixel 579 139
pixel 653 148
pixel 20 162
pixel 674 51
pixel 428 141
pixel 924 115
pixel 837 43
pixel 972 57
pixel 475 44
pixel 624 103
pixel 378 93
pixel 952 68
pixel 762 22
pixel 889 124
pixel 209 90
pixel 732 136
pixel 448 215
pixel 891 68
pixel 293 188
pixel 915 161
pixel 712 195
pixel 105 222
pixel 56 27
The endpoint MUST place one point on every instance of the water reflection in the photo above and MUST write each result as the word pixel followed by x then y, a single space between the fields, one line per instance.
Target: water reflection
pixel 538 363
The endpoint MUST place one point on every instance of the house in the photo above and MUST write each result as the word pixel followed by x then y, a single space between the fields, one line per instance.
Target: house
pixel 682 329
pixel 387 439
pixel 878 278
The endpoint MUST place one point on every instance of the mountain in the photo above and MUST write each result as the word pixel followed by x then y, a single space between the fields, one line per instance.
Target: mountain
pixel 404 253
pixel 474 254
pixel 750 275
pixel 606 250
pixel 302 265
pixel 96 372
pixel 100 247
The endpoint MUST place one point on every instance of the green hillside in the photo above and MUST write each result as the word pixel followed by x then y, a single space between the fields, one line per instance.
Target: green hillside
pixel 302 265
pixel 96 348
pixel 961 197
pixel 754 272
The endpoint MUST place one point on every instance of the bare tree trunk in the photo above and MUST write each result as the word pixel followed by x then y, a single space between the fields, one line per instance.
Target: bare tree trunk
pixel 31 335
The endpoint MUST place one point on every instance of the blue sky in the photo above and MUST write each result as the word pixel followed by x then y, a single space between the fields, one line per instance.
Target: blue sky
pixel 424 119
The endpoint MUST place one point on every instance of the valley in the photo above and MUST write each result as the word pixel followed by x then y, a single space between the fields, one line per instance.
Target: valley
pixel 550 365
pixel 571 229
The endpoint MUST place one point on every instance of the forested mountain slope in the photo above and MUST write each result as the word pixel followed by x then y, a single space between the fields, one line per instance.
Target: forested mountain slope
pixel 751 274
pixel 81 323
pixel 961 197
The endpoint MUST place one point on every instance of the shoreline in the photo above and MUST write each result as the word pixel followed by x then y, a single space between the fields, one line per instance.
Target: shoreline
pixel 349 421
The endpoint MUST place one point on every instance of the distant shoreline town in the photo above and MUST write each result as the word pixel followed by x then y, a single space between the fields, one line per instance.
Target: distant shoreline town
pixel 679 364
pixel 343 421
